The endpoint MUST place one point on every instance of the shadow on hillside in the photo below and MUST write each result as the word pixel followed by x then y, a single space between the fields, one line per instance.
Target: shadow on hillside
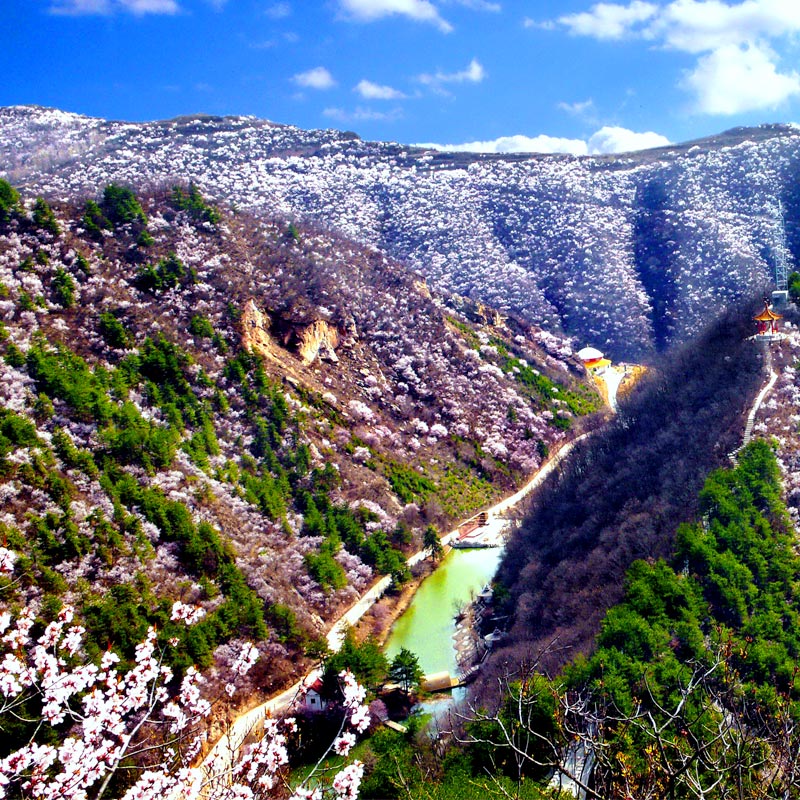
pixel 621 496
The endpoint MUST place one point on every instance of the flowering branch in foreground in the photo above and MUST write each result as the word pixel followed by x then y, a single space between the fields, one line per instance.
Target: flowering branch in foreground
pixel 113 716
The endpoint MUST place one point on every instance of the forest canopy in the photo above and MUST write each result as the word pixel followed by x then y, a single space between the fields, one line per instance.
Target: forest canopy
pixel 624 492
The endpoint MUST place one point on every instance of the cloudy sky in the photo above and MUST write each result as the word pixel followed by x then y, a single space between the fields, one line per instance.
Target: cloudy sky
pixel 490 75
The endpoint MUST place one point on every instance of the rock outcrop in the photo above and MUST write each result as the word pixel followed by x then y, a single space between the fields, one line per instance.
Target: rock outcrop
pixel 318 339
pixel 310 340
pixel 255 330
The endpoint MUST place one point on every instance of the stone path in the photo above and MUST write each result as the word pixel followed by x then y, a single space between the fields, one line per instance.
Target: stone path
pixel 751 417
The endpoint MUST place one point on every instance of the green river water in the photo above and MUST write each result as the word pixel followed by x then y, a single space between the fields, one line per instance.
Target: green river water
pixel 427 626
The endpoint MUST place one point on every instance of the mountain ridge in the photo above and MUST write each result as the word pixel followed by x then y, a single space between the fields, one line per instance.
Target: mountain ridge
pixel 602 248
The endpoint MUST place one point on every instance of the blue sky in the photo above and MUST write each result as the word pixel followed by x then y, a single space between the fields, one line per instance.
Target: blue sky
pixel 498 75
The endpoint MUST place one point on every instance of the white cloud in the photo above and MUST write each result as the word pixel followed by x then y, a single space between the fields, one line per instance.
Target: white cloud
pixel 621 140
pixel 609 20
pixel 545 25
pixel 79 7
pixel 361 114
pixel 516 144
pixel 317 78
pixel 693 26
pixel 733 79
pixel 606 140
pixel 737 67
pixel 477 5
pixel 150 6
pixel 474 73
pixel 137 7
pixel 697 26
pixel 418 10
pixel 278 11
pixel 579 108
pixel 375 91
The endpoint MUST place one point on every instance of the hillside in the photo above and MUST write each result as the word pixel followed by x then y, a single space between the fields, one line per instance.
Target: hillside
pixel 691 688
pixel 243 413
pixel 625 491
pixel 624 252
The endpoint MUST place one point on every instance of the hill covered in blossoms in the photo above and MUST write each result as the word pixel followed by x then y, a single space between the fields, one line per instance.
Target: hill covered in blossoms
pixel 242 413
pixel 629 253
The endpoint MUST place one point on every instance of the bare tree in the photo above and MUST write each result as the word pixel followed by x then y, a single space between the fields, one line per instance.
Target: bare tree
pixel 711 739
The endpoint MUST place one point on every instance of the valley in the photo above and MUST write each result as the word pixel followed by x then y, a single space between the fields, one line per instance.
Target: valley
pixel 251 375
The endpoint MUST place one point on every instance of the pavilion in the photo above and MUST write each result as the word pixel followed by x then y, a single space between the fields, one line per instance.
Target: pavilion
pixel 594 361
pixel 767 321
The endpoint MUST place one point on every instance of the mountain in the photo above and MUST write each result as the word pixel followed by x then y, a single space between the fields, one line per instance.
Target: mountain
pixel 627 252
pixel 626 490
pixel 242 412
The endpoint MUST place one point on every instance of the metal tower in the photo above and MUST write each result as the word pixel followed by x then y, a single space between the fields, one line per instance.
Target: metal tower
pixel 780 297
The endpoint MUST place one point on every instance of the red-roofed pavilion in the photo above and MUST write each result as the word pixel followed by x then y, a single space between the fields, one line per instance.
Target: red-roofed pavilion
pixel 767 321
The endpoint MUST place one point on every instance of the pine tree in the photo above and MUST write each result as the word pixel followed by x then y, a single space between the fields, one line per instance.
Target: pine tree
pixel 405 670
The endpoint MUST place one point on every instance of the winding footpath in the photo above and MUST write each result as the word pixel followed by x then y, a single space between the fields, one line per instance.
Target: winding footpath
pixel 751 417
pixel 223 754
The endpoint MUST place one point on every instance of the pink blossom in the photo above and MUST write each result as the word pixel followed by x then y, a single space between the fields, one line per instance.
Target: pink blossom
pixel 73 639
pixel 7 560
pixel 247 657
pixel 301 793
pixel 347 781
pixel 187 613
pixel 290 724
pixel 344 743
pixel 105 708
pixel 353 693
pixel 66 614
pixel 360 719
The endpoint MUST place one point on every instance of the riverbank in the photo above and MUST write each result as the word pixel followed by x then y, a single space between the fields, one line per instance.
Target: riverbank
pixel 435 627
pixel 378 621
pixel 228 745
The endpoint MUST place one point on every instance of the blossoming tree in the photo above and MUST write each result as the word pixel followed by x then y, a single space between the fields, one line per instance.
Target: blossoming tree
pixel 113 716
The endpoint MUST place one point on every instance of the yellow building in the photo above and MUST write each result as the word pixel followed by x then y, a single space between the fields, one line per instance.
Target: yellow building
pixel 594 361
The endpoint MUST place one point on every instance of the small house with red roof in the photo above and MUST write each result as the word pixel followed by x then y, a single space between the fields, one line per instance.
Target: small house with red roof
pixel 313 699
pixel 593 360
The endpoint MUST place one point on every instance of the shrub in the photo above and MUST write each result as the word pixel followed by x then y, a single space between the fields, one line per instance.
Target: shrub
pixel 15 431
pixel 201 326
pixel 94 220
pixel 326 570
pixel 64 287
pixel 167 273
pixel 25 301
pixel 121 206
pixel 365 660
pixel 61 373
pixel 408 484
pixel 114 333
pixel 145 239
pixel 192 201
pixel 14 357
pixel 9 201
pixel 44 218
pixel 134 440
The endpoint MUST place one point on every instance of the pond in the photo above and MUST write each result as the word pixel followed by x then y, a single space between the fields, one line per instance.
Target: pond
pixel 427 626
